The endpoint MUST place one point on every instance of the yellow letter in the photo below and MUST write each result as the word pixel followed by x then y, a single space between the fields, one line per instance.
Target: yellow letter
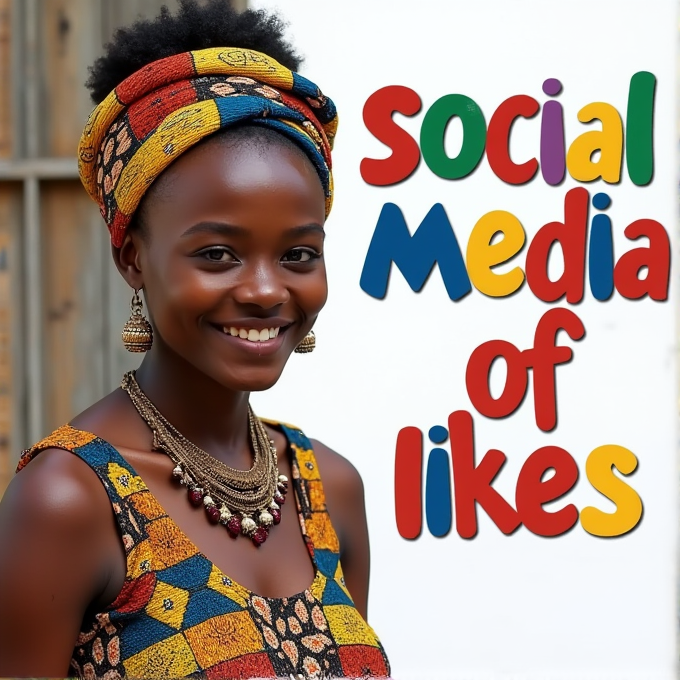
pixel 609 141
pixel 600 472
pixel 482 255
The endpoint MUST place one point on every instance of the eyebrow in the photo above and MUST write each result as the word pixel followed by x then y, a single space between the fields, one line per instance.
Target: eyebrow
pixel 224 229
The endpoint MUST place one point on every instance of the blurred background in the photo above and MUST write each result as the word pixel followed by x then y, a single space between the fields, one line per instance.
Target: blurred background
pixel 62 303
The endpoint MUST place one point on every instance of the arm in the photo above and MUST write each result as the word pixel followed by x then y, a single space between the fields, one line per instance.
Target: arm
pixel 54 521
pixel 344 491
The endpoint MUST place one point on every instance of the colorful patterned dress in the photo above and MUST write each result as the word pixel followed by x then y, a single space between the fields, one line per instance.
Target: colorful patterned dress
pixel 178 615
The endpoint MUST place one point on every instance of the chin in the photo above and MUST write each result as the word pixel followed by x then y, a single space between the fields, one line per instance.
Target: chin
pixel 251 380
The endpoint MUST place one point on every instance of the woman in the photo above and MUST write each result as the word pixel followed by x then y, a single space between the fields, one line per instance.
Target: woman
pixel 150 536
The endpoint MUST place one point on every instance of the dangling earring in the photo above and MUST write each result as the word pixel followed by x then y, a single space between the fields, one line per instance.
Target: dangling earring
pixel 137 332
pixel 307 344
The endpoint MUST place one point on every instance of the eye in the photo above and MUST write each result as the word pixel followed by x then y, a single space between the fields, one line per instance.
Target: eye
pixel 218 254
pixel 300 255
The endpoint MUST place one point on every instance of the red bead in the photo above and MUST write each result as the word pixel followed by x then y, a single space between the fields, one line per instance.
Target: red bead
pixel 213 514
pixel 260 536
pixel 234 526
pixel 276 514
pixel 195 497
pixel 283 487
pixel 279 498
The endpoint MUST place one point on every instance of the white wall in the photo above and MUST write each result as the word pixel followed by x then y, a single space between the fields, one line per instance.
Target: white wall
pixel 519 606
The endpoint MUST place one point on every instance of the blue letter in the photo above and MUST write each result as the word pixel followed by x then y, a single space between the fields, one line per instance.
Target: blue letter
pixel 433 243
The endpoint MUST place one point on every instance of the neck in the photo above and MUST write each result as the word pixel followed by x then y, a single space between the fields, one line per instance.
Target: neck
pixel 209 415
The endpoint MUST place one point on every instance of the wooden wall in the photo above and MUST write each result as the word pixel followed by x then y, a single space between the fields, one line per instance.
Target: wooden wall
pixel 62 303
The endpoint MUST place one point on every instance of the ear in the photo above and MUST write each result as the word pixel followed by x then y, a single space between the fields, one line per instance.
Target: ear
pixel 127 259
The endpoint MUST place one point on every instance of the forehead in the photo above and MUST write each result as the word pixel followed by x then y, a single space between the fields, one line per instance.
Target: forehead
pixel 237 175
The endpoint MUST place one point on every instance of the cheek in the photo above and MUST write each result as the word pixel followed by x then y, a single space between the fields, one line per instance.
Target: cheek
pixel 313 292
pixel 178 294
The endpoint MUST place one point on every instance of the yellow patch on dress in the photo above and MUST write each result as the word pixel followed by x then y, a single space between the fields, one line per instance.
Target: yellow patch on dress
pixel 339 578
pixel 227 587
pixel 321 532
pixel 170 658
pixel 141 560
pixel 168 604
pixel 66 437
pixel 309 470
pixel 348 627
pixel 124 482
pixel 146 504
pixel 317 497
pixel 224 637
pixel 318 586
pixel 169 544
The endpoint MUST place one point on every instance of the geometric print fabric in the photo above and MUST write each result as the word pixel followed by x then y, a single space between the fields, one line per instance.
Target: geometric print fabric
pixel 178 615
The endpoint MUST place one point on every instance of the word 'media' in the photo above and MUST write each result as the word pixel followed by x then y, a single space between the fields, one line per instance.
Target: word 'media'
pixel 435 242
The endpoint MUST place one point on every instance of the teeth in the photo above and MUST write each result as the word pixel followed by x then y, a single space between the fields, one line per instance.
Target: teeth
pixel 252 334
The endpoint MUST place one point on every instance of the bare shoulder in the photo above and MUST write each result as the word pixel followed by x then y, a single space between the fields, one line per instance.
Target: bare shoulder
pixel 55 515
pixel 56 500
pixel 55 486
pixel 337 473
pixel 55 561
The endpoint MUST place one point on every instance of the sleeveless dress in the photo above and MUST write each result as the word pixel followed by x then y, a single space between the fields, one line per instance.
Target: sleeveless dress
pixel 178 615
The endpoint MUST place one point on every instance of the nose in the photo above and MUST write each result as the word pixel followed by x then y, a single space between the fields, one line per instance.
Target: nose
pixel 262 284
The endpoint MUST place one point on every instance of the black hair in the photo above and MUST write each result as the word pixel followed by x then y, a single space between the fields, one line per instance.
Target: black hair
pixel 214 23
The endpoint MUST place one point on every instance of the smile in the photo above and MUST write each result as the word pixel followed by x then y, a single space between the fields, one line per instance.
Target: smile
pixel 252 334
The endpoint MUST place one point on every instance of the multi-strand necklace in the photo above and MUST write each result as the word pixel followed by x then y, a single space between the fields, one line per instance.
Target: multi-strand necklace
pixel 246 502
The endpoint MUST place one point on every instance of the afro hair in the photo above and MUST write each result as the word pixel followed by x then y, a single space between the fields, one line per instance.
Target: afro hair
pixel 194 27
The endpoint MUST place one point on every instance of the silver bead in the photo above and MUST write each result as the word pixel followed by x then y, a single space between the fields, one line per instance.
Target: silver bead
pixel 283 478
pixel 274 506
pixel 248 526
pixel 266 519
pixel 208 501
pixel 225 514
pixel 178 473
pixel 186 480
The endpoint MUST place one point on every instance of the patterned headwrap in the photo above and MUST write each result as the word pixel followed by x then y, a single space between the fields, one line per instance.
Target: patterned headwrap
pixel 168 106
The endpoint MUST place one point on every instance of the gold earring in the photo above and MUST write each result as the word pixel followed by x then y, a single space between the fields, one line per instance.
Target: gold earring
pixel 137 332
pixel 307 344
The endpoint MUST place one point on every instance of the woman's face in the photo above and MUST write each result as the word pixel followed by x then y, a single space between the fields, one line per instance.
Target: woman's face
pixel 233 247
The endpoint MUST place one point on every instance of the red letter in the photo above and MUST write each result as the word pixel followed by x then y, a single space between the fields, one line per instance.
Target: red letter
pixel 656 258
pixel 477 379
pixel 408 482
pixel 405 156
pixel 498 140
pixel 571 235
pixel 473 484
pixel 543 358
pixel 532 492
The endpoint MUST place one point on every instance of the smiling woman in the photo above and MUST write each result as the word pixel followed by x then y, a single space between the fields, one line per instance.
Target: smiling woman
pixel 149 537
